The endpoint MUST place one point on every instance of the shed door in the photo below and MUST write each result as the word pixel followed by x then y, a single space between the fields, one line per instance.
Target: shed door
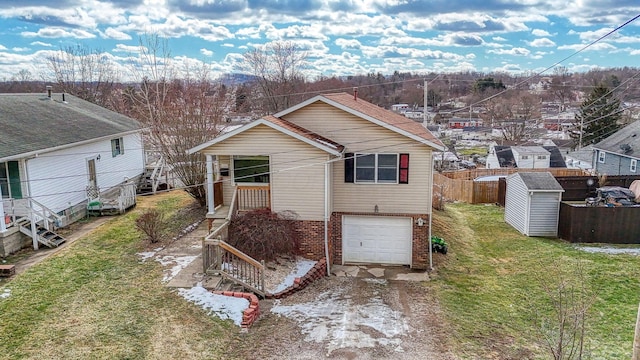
pixel 376 239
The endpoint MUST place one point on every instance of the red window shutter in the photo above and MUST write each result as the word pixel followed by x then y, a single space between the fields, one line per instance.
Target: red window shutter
pixel 403 170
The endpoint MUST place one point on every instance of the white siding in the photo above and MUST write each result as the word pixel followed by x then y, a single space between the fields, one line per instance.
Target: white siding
pixel 59 179
pixel 516 207
pixel 359 135
pixel 543 214
pixel 297 169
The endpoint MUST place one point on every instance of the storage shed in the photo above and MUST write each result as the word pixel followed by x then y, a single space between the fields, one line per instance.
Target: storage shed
pixel 532 203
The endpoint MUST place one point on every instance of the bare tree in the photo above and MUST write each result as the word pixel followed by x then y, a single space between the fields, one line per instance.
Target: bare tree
pixel 560 87
pixel 179 109
pixel 278 68
pixel 86 73
pixel 564 324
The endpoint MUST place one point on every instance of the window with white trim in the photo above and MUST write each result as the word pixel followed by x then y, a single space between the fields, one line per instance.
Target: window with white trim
pixel 117 147
pixel 376 168
pixel 601 156
pixel 524 157
pixel 542 157
pixel 634 165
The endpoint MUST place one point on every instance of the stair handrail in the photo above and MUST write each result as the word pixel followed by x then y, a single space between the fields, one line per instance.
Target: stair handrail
pixel 233 207
pixel 236 266
pixel 45 213
pixel 157 172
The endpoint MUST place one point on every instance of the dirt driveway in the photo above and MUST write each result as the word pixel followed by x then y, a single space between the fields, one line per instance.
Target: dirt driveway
pixel 347 318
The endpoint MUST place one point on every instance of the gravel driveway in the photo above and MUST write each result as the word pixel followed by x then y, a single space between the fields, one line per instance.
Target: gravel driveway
pixel 347 318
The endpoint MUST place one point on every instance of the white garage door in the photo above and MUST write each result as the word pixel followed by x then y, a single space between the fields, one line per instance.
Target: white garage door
pixel 376 239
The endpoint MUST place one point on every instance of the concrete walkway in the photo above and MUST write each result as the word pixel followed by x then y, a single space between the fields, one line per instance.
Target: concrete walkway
pixel 188 246
pixel 380 272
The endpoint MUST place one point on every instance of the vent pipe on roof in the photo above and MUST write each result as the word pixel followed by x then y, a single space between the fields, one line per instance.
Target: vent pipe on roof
pixel 49 92
pixel 355 93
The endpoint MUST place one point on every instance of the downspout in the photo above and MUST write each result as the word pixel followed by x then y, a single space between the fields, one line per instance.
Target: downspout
pixel 431 216
pixel 326 216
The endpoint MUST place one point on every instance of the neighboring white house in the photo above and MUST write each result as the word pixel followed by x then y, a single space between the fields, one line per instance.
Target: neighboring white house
pixel 531 157
pixel 53 147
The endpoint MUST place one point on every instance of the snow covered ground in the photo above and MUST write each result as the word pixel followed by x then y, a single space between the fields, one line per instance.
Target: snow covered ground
pixel 610 250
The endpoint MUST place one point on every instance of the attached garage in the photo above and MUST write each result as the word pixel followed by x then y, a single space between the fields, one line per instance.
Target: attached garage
pixel 377 239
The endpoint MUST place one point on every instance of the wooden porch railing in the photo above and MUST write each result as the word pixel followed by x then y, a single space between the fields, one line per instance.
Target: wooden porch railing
pixel 253 197
pixel 221 258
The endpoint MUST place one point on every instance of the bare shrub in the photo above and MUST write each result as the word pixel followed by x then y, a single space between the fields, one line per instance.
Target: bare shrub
pixel 265 235
pixel 563 324
pixel 151 222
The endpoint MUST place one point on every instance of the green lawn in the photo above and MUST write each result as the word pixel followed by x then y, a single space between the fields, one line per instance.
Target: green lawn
pixel 94 299
pixel 490 288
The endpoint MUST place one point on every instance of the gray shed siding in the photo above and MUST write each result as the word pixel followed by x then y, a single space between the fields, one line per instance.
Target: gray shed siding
pixel 614 164
pixel 544 208
pixel 516 203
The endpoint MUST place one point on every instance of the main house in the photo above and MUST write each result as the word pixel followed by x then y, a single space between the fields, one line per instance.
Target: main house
pixel 616 155
pixel 53 148
pixel 359 178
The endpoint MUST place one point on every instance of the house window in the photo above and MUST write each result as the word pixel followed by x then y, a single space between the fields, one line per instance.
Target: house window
pixel 633 166
pixel 601 156
pixel 376 168
pixel 251 169
pixel 117 147
pixel 542 157
pixel 524 157
pixel 10 183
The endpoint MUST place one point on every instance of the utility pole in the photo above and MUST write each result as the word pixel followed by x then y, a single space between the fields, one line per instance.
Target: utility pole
pixel 424 110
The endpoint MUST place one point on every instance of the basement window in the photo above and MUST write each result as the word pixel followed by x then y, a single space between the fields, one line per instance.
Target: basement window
pixel 633 166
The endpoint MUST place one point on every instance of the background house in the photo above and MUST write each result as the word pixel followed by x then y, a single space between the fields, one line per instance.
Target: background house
pixel 52 147
pixel 619 153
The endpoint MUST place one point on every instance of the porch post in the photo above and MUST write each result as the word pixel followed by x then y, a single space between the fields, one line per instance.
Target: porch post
pixel 3 225
pixel 211 208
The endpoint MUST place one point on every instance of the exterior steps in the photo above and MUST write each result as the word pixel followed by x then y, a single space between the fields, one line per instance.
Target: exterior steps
pixel 44 236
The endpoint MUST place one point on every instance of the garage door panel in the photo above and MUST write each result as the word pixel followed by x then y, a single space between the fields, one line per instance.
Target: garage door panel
pixel 382 240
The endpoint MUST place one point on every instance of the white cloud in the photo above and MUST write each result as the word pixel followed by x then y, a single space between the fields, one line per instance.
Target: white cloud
pixel 111 33
pixel 228 45
pixel 20 49
pixel 513 51
pixel 540 33
pixel 206 52
pixel 40 43
pixel 600 46
pixel 126 48
pixel 542 42
pixel 348 44
pixel 2 47
pixel 56 32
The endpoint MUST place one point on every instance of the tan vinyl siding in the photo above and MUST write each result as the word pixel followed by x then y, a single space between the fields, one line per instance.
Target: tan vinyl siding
pixel 297 179
pixel 359 135
pixel 227 186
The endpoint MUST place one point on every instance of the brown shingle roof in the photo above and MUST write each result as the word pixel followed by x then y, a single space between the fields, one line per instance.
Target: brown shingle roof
pixel 383 115
pixel 303 132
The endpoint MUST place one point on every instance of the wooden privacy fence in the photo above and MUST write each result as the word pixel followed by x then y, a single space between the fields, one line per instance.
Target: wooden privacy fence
pixel 459 185
pixel 475 173
pixel 469 191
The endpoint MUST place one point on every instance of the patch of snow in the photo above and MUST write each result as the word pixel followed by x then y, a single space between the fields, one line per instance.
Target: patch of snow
pixel 5 294
pixel 144 256
pixel 375 281
pixel 302 268
pixel 178 262
pixel 609 250
pixel 224 307
pixel 334 319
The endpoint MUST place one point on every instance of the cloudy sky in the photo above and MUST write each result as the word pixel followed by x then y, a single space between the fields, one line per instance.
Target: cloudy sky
pixel 341 37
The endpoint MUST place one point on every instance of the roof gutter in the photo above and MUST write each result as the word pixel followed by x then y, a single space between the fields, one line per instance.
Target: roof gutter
pixel 65 146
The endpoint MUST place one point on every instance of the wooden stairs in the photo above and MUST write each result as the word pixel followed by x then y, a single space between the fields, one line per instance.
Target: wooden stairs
pixel 150 181
pixel 44 236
